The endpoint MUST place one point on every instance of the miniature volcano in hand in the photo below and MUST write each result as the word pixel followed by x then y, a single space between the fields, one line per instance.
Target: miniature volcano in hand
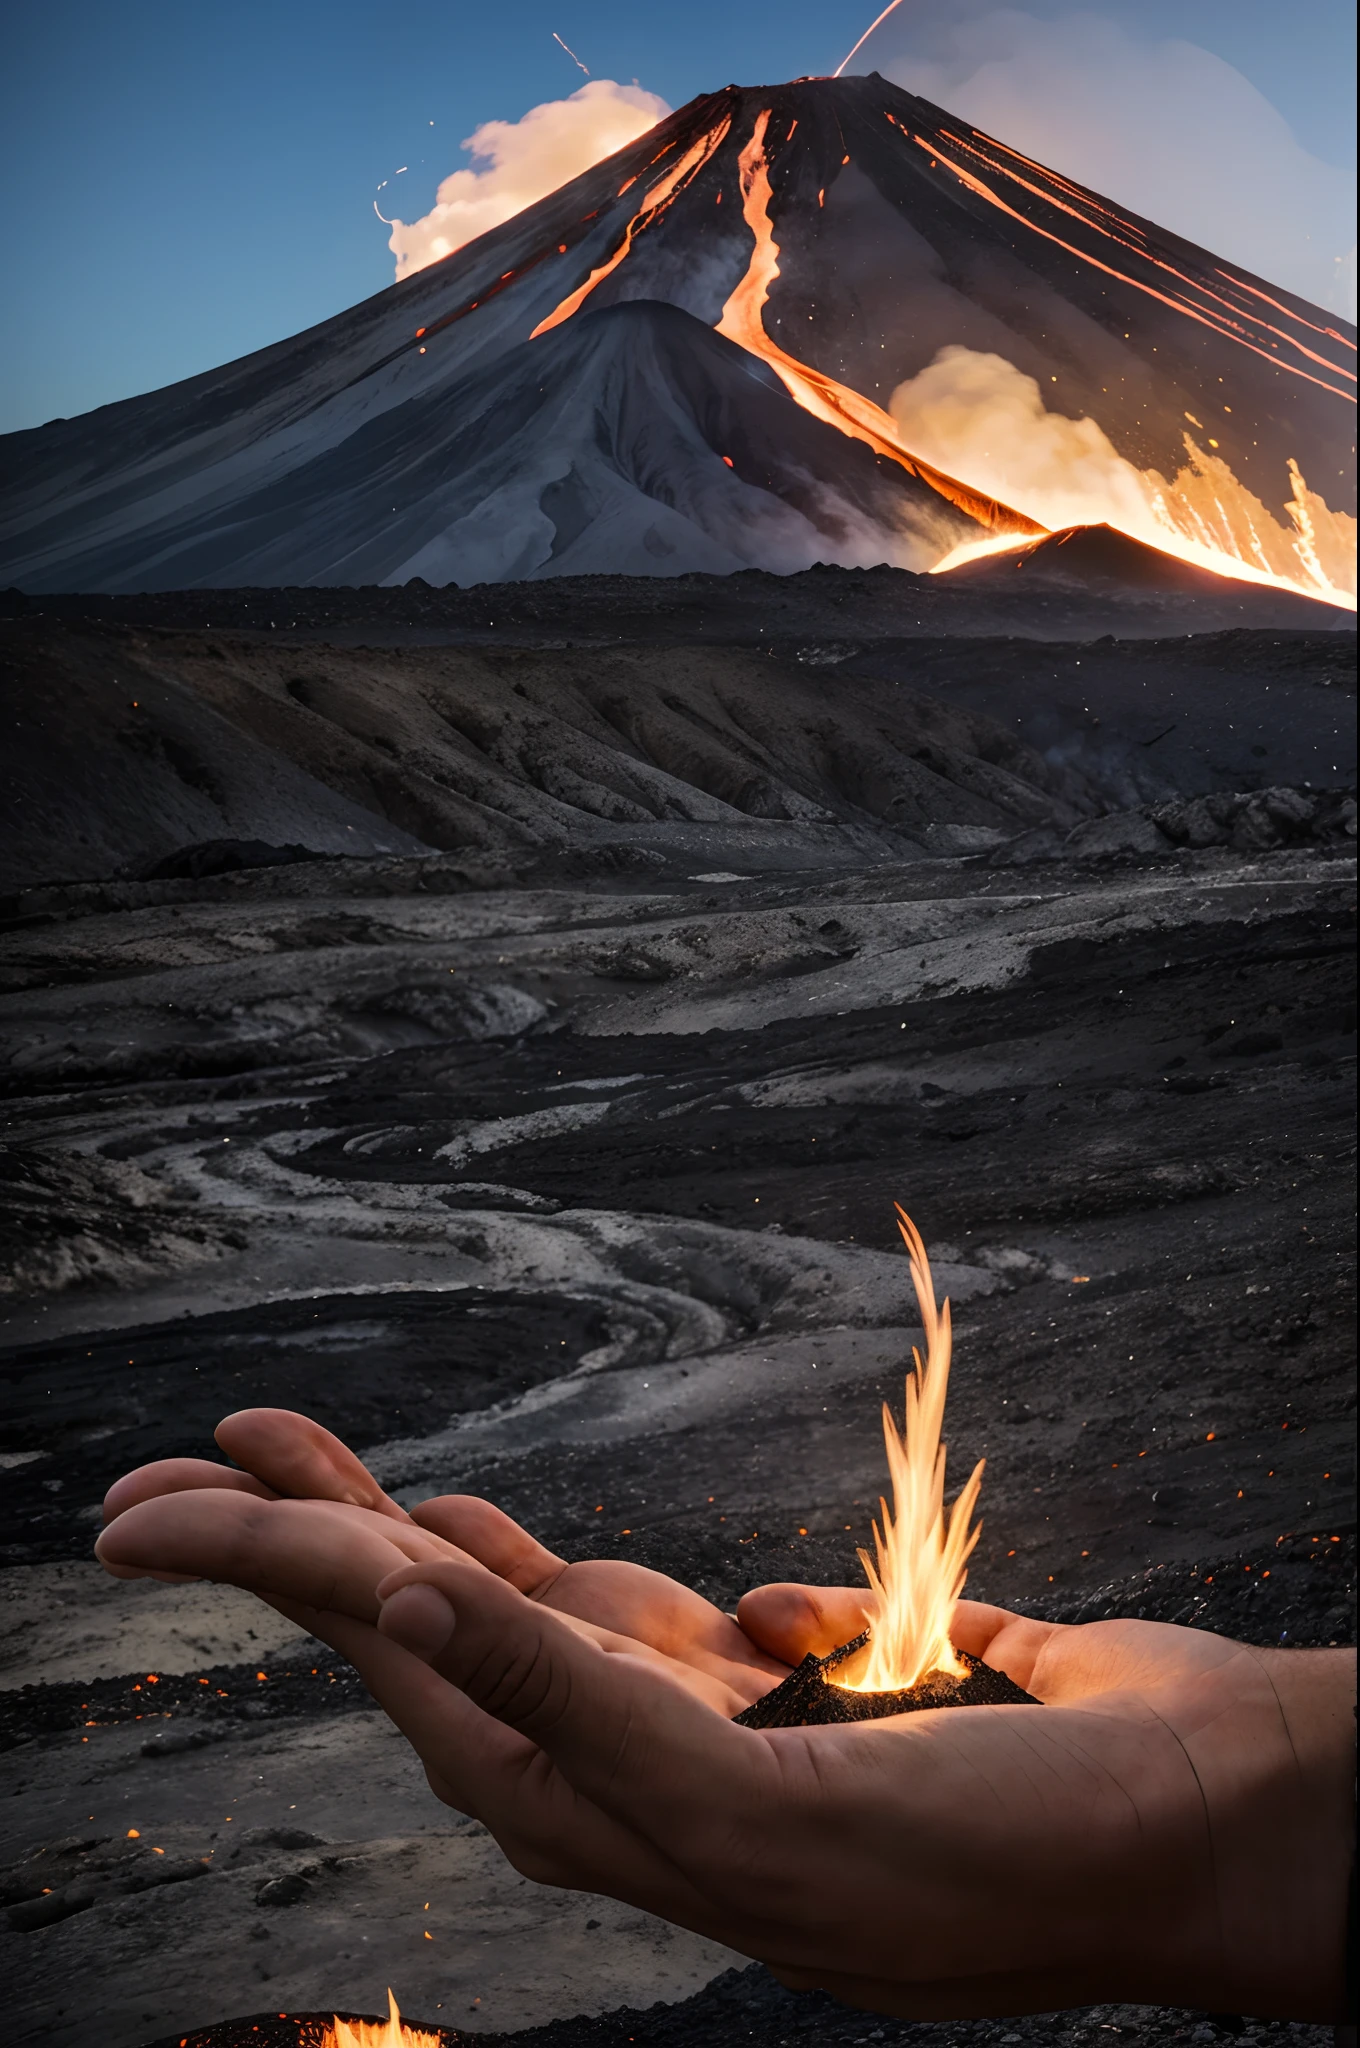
pixel 809 1698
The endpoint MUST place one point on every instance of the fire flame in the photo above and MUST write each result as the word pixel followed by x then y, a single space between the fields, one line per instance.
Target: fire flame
pixel 388 2033
pixel 922 1555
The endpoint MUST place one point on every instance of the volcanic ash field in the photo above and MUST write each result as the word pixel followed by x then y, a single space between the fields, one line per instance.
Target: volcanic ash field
pixel 541 1137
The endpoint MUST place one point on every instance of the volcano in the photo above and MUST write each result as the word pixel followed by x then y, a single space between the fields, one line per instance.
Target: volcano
pixel 821 321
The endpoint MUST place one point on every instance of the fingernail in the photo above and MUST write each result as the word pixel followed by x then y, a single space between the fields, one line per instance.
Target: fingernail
pixel 419 1618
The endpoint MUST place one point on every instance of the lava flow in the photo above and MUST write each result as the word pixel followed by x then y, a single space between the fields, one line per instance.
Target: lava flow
pixel 652 209
pixel 743 322
pixel 922 1555
pixel 389 2033
pixel 1204 515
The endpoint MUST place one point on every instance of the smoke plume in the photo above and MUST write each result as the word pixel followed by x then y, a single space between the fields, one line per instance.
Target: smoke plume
pixel 521 161
pixel 976 416
pixel 979 418
pixel 1163 127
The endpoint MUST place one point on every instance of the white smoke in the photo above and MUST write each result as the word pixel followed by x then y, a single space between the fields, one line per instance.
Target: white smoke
pixel 1165 128
pixel 977 417
pixel 522 161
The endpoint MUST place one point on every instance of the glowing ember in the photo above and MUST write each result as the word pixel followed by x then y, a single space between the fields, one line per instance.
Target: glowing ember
pixel 388 2033
pixel 922 1556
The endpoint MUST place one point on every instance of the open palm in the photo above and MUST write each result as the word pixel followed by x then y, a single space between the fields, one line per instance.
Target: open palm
pixel 207 1520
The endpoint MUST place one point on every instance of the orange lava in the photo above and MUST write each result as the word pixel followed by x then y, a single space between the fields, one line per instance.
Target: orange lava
pixel 742 321
pixel 1204 515
pixel 652 208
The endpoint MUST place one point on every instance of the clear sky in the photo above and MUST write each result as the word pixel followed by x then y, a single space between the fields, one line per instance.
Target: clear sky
pixel 186 182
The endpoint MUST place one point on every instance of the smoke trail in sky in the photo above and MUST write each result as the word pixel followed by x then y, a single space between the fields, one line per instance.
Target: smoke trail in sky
pixel 519 161
pixel 571 53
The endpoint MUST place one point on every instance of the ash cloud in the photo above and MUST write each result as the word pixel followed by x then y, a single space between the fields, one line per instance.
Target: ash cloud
pixel 516 162
pixel 1163 127
pixel 976 416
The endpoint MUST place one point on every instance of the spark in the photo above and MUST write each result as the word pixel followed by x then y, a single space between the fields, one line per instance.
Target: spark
pixel 891 8
pixel 570 52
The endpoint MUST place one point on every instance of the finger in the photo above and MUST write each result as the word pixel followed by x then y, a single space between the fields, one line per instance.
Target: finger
pixel 296 1457
pixel 177 1475
pixel 790 1622
pixel 421 1619
pixel 486 1533
pixel 608 1591
pixel 482 1768
pixel 621 1730
pixel 1011 1643
pixel 315 1552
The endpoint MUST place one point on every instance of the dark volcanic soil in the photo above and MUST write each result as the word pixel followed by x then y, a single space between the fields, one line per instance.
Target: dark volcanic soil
pixel 560 1166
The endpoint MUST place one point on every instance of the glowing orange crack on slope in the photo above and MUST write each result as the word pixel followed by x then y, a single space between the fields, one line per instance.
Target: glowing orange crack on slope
pixel 1158 262
pixel 975 184
pixel 822 396
pixel 653 206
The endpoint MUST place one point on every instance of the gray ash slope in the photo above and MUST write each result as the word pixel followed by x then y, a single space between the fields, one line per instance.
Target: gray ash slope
pixel 553 1157
pixel 630 436
pixel 873 711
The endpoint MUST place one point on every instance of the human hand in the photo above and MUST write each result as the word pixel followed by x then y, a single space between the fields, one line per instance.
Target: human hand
pixel 288 1460
pixel 1171 1826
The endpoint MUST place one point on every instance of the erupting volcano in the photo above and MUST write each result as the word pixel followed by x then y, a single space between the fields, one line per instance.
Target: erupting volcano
pixel 822 321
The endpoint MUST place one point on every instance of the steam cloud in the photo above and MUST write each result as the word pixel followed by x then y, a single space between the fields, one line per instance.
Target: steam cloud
pixel 977 416
pixel 1165 128
pixel 522 161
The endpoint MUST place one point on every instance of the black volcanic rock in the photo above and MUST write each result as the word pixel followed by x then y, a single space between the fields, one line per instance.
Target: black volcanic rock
pixel 426 434
pixel 225 857
pixel 1091 558
pixel 810 1697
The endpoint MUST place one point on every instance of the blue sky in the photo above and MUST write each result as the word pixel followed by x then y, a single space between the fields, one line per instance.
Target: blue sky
pixel 188 182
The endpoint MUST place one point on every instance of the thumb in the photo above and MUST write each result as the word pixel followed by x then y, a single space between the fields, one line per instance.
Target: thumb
pixel 791 1621
pixel 618 1727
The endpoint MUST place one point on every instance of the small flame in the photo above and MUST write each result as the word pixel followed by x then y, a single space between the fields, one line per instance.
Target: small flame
pixel 922 1556
pixel 389 2033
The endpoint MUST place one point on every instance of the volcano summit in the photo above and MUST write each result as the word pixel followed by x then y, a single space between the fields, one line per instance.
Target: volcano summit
pixel 819 321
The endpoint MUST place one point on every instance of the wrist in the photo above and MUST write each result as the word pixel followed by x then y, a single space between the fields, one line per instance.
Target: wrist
pixel 1280 1792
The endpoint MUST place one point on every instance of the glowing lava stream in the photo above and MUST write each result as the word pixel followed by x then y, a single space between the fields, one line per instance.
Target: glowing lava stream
pixel 1205 516
pixel 655 203
pixel 388 2033
pixel 818 394
pixel 922 1559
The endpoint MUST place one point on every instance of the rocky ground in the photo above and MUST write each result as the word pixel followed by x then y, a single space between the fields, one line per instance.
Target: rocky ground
pixel 555 1158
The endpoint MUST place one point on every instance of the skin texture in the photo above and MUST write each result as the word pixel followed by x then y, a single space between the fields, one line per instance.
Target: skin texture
pixel 1172 1826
